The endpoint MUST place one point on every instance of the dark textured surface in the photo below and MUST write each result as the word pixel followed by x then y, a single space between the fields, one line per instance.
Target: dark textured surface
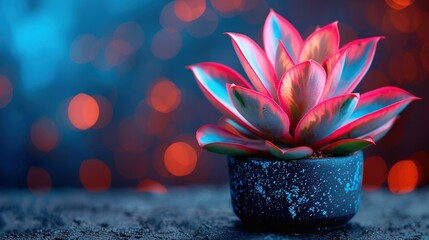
pixel 308 193
pixel 189 213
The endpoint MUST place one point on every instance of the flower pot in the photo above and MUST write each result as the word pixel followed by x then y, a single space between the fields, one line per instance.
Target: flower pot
pixel 300 194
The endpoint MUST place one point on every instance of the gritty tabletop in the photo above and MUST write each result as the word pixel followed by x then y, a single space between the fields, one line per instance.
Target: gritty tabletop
pixel 199 212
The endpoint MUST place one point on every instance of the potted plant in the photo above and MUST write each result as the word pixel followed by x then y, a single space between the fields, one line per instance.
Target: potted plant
pixel 295 132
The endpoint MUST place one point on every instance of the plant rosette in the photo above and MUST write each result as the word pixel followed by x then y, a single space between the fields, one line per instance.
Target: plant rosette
pixel 294 132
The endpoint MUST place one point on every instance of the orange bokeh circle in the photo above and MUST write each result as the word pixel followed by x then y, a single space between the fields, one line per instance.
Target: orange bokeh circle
pixel 95 175
pixel 164 96
pixel 83 111
pixel 403 177
pixel 180 159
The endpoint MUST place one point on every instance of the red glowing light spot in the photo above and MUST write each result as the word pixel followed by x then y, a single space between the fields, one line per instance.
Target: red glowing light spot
pixel 189 10
pixel 83 111
pixel 44 134
pixel 403 177
pixel 166 44
pixel 164 96
pixel 105 112
pixel 84 49
pixel 95 175
pixel 228 7
pixel 406 21
pixel 374 174
pixel 399 4
pixel 5 91
pixel 189 139
pixel 180 159
pixel 152 186
pixel 39 181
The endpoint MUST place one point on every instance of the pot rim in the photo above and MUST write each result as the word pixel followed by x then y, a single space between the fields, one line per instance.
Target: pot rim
pixel 313 160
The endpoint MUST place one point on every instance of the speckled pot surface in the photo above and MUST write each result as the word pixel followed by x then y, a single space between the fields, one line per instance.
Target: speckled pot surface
pixel 300 194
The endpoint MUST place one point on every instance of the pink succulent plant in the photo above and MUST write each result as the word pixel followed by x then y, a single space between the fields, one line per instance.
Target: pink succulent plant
pixel 300 96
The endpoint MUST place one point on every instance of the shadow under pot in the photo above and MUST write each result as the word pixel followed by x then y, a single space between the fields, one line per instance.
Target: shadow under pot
pixel 296 195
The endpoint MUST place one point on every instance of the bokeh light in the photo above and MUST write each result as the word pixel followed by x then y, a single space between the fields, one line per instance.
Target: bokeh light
pixel 44 134
pixel 374 173
pixel 399 4
pixel 405 21
pixel 189 10
pixel 83 111
pixel 164 96
pixel 166 44
pixel 403 177
pixel 149 185
pixel 6 91
pixel 180 159
pixel 84 49
pixel 117 52
pixel 228 8
pixel 132 34
pixel 95 175
pixel 120 74
pixel 105 112
pixel 159 125
pixel 128 38
pixel 39 181
pixel 422 159
pixel 169 20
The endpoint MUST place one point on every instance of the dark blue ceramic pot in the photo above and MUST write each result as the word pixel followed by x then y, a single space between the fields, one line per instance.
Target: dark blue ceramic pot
pixel 300 194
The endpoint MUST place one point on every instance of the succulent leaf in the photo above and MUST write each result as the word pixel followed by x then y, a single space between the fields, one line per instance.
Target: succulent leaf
pixel 228 123
pixel 283 60
pixel 219 140
pixel 379 133
pixel 261 111
pixel 325 118
pixel 358 59
pixel 379 98
pixel 321 44
pixel 347 146
pixel 212 79
pixel 289 153
pixel 278 28
pixel 334 66
pixel 299 99
pixel 374 119
pixel 300 89
pixel 256 64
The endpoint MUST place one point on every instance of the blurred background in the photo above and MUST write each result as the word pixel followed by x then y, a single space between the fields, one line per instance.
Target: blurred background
pixel 95 94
